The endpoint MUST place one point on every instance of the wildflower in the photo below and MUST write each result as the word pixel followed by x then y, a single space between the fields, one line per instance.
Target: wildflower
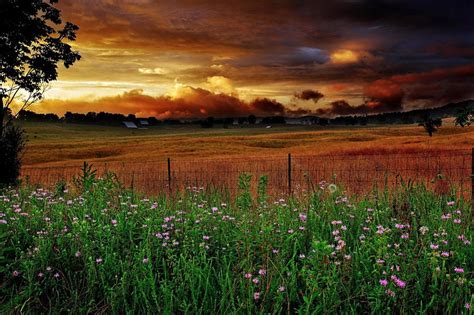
pixel 458 270
pixel 445 254
pixel 48 268
pixel 2 221
pixel 302 256
pixel 256 296
pixel 301 228
pixel 467 306
pixel 248 275
pixel 390 293
pixel 457 221
pixel 206 237
pixel 450 203
pixel 383 282
pixel 290 231
pixel 434 246
pixel 303 217
pixel 262 272
pixel 16 273
pixel 40 275
pixel 114 222
pixel 56 275
pixel 214 209
pixel 255 281
pixel 399 226
pixel 78 254
pixel 98 260
pixel 145 260
pixel 446 216
pixel 347 257
pixel 281 289
pixel 405 236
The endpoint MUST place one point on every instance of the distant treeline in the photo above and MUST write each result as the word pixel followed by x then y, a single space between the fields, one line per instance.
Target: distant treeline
pixel 409 117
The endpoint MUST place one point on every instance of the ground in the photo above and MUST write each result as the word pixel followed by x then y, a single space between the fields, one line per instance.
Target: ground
pixel 53 144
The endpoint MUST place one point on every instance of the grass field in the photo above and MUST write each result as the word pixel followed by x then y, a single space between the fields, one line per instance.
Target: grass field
pixel 97 248
pixel 67 144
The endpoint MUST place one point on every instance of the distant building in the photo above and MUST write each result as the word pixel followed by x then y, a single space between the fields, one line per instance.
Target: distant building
pixel 144 122
pixel 130 125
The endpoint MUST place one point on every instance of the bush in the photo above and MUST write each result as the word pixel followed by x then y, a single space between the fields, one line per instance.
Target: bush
pixel 12 143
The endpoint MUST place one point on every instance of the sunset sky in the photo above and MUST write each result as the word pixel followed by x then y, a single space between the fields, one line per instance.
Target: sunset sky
pixel 230 58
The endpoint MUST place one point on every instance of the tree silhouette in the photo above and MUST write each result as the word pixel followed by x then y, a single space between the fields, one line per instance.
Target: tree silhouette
pixel 464 118
pixel 431 125
pixel 32 42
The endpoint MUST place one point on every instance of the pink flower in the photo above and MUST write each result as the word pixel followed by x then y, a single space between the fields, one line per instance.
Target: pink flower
pixel 281 289
pixel 383 282
pixel 458 270
pixel 290 231
pixel 114 222
pixel 256 296
pixel 262 272
pixel 248 275
pixel 40 274
pixel 405 236
pixel 457 221
pixel 145 260
pixel 16 273
pixel 255 281
pixel 445 254
pixel 78 254
pixel 205 237
pixel 98 260
pixel 434 246
pixel 390 293
pixel 467 306
pixel 56 275
pixel 451 203
pixel 303 217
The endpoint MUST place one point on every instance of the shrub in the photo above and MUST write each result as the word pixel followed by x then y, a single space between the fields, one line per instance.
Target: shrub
pixel 12 143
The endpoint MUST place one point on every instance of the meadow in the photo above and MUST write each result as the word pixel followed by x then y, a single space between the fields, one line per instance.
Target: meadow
pixel 356 157
pixel 52 144
pixel 91 246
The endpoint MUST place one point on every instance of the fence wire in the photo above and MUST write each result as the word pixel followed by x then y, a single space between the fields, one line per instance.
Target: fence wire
pixel 441 170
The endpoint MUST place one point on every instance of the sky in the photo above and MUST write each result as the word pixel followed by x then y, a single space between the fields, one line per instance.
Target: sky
pixel 189 58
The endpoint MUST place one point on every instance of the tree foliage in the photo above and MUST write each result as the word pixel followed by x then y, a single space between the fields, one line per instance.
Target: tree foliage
pixel 464 118
pixel 33 40
pixel 431 125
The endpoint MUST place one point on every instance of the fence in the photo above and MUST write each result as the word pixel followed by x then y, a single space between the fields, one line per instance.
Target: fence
pixel 357 173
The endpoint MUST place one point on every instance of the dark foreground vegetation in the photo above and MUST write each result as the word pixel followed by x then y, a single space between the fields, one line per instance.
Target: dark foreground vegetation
pixel 94 247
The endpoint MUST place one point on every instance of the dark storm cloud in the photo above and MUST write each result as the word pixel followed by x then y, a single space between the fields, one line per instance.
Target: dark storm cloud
pixel 307 95
pixel 364 43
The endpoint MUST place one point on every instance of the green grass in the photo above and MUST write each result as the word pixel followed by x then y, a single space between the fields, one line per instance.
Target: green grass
pixel 99 248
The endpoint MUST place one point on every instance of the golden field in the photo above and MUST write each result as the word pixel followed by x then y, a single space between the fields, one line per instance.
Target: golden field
pixel 356 157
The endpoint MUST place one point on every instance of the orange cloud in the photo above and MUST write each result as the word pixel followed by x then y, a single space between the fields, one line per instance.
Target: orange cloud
pixel 188 102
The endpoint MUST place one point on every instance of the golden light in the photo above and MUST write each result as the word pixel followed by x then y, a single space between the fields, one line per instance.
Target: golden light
pixel 344 56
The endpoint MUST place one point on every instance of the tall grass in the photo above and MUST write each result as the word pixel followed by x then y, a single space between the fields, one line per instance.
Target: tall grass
pixel 99 248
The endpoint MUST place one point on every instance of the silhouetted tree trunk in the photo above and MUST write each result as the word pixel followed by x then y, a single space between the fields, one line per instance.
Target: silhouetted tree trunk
pixel 2 115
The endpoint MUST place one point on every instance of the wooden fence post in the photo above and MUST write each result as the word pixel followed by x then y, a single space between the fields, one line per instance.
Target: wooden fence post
pixel 289 173
pixel 169 174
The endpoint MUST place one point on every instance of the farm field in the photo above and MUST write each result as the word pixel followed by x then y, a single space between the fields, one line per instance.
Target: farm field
pixel 69 145
pixel 356 158
pixel 92 247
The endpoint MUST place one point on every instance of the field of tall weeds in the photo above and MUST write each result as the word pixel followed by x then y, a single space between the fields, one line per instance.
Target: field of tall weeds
pixel 91 246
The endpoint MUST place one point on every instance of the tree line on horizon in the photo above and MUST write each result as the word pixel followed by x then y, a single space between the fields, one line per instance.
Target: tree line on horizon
pixel 462 111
